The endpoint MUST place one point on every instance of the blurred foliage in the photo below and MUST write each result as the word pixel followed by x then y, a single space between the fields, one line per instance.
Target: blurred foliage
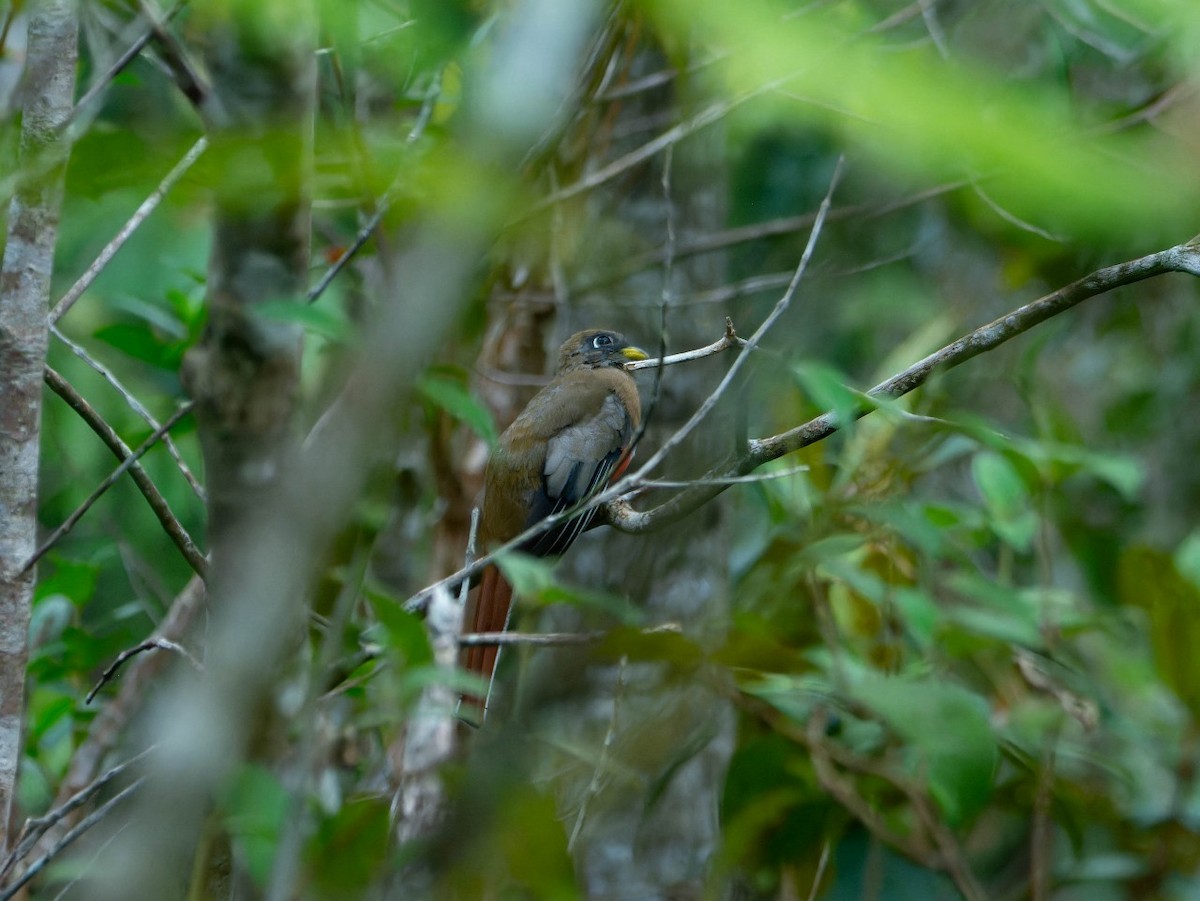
pixel 963 631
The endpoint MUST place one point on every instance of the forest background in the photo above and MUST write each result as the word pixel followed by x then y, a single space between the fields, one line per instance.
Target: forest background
pixel 932 640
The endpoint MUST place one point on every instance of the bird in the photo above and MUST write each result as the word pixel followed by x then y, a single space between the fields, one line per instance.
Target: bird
pixel 571 441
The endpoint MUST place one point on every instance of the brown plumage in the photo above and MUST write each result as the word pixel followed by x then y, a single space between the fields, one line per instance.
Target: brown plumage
pixel 570 442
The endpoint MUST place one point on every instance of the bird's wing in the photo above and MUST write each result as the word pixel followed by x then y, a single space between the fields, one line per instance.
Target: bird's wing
pixel 580 461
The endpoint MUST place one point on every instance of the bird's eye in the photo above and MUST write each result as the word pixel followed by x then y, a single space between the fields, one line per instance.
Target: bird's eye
pixel 602 341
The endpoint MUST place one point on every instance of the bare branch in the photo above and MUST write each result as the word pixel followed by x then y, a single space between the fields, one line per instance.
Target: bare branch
pixel 725 342
pixel 1181 258
pixel 83 826
pixel 110 725
pixel 150 644
pixel 130 459
pixel 36 827
pixel 137 406
pixel 555 639
pixel 139 216
pixel 703 119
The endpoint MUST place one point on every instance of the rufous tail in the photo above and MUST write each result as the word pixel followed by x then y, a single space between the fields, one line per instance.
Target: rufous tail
pixel 487 611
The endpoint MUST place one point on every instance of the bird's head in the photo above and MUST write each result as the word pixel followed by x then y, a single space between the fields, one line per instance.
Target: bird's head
pixel 594 348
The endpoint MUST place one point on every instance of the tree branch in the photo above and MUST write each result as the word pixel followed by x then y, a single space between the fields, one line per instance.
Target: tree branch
pixel 24 335
pixel 1181 258
pixel 129 461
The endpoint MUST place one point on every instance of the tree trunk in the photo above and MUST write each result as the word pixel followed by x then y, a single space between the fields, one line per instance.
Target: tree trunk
pixel 49 92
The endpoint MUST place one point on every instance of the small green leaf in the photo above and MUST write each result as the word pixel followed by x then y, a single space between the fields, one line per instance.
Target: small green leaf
pixel 948 732
pixel 350 847
pixel 256 804
pixel 532 579
pixel 452 397
pixel 405 633
pixel 140 342
pixel 827 389
pixel 1007 499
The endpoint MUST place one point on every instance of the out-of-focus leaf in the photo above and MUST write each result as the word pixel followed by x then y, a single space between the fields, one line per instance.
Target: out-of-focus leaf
pixel 255 805
pixel 827 389
pixel 1007 499
pixel 663 647
pixel 73 578
pixel 346 853
pixel 948 730
pixel 1147 578
pixel 405 633
pixel 139 341
pixel 453 397
pixel 533 581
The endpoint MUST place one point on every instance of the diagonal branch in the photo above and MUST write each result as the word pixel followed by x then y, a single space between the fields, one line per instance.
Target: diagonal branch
pixel 129 463
pixel 758 451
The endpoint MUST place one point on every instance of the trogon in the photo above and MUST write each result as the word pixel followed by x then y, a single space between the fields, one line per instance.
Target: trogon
pixel 571 441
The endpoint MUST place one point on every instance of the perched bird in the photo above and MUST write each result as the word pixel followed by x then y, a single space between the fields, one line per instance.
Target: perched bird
pixel 571 441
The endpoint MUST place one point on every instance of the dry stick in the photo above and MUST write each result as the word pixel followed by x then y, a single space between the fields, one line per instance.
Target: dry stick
pixel 84 825
pixel 197 560
pixel 150 644
pixel 36 827
pixel 170 523
pixel 109 726
pixel 139 216
pixel 1181 258
pixel 137 406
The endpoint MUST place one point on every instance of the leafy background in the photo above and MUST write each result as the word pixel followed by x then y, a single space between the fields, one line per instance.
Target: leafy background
pixel 961 633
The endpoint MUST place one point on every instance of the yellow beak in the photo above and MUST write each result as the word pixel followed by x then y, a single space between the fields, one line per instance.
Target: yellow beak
pixel 634 354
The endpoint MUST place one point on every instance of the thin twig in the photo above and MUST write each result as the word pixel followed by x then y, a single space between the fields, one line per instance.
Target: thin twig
pixel 664 304
pixel 138 407
pixel 619 166
pixel 197 560
pixel 36 827
pixel 554 639
pixel 725 342
pixel 150 644
pixel 139 216
pixel 610 735
pixel 83 826
pixel 1183 258
pixel 780 307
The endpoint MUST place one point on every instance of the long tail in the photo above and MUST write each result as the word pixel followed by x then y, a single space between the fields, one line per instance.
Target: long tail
pixel 488 612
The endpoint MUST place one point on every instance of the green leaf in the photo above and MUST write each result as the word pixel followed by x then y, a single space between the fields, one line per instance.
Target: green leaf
pixel 140 342
pixel 256 804
pixel 1147 578
pixel 948 733
pixel 532 579
pixel 404 632
pixel 349 849
pixel 452 397
pixel 1007 499
pixel 827 389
